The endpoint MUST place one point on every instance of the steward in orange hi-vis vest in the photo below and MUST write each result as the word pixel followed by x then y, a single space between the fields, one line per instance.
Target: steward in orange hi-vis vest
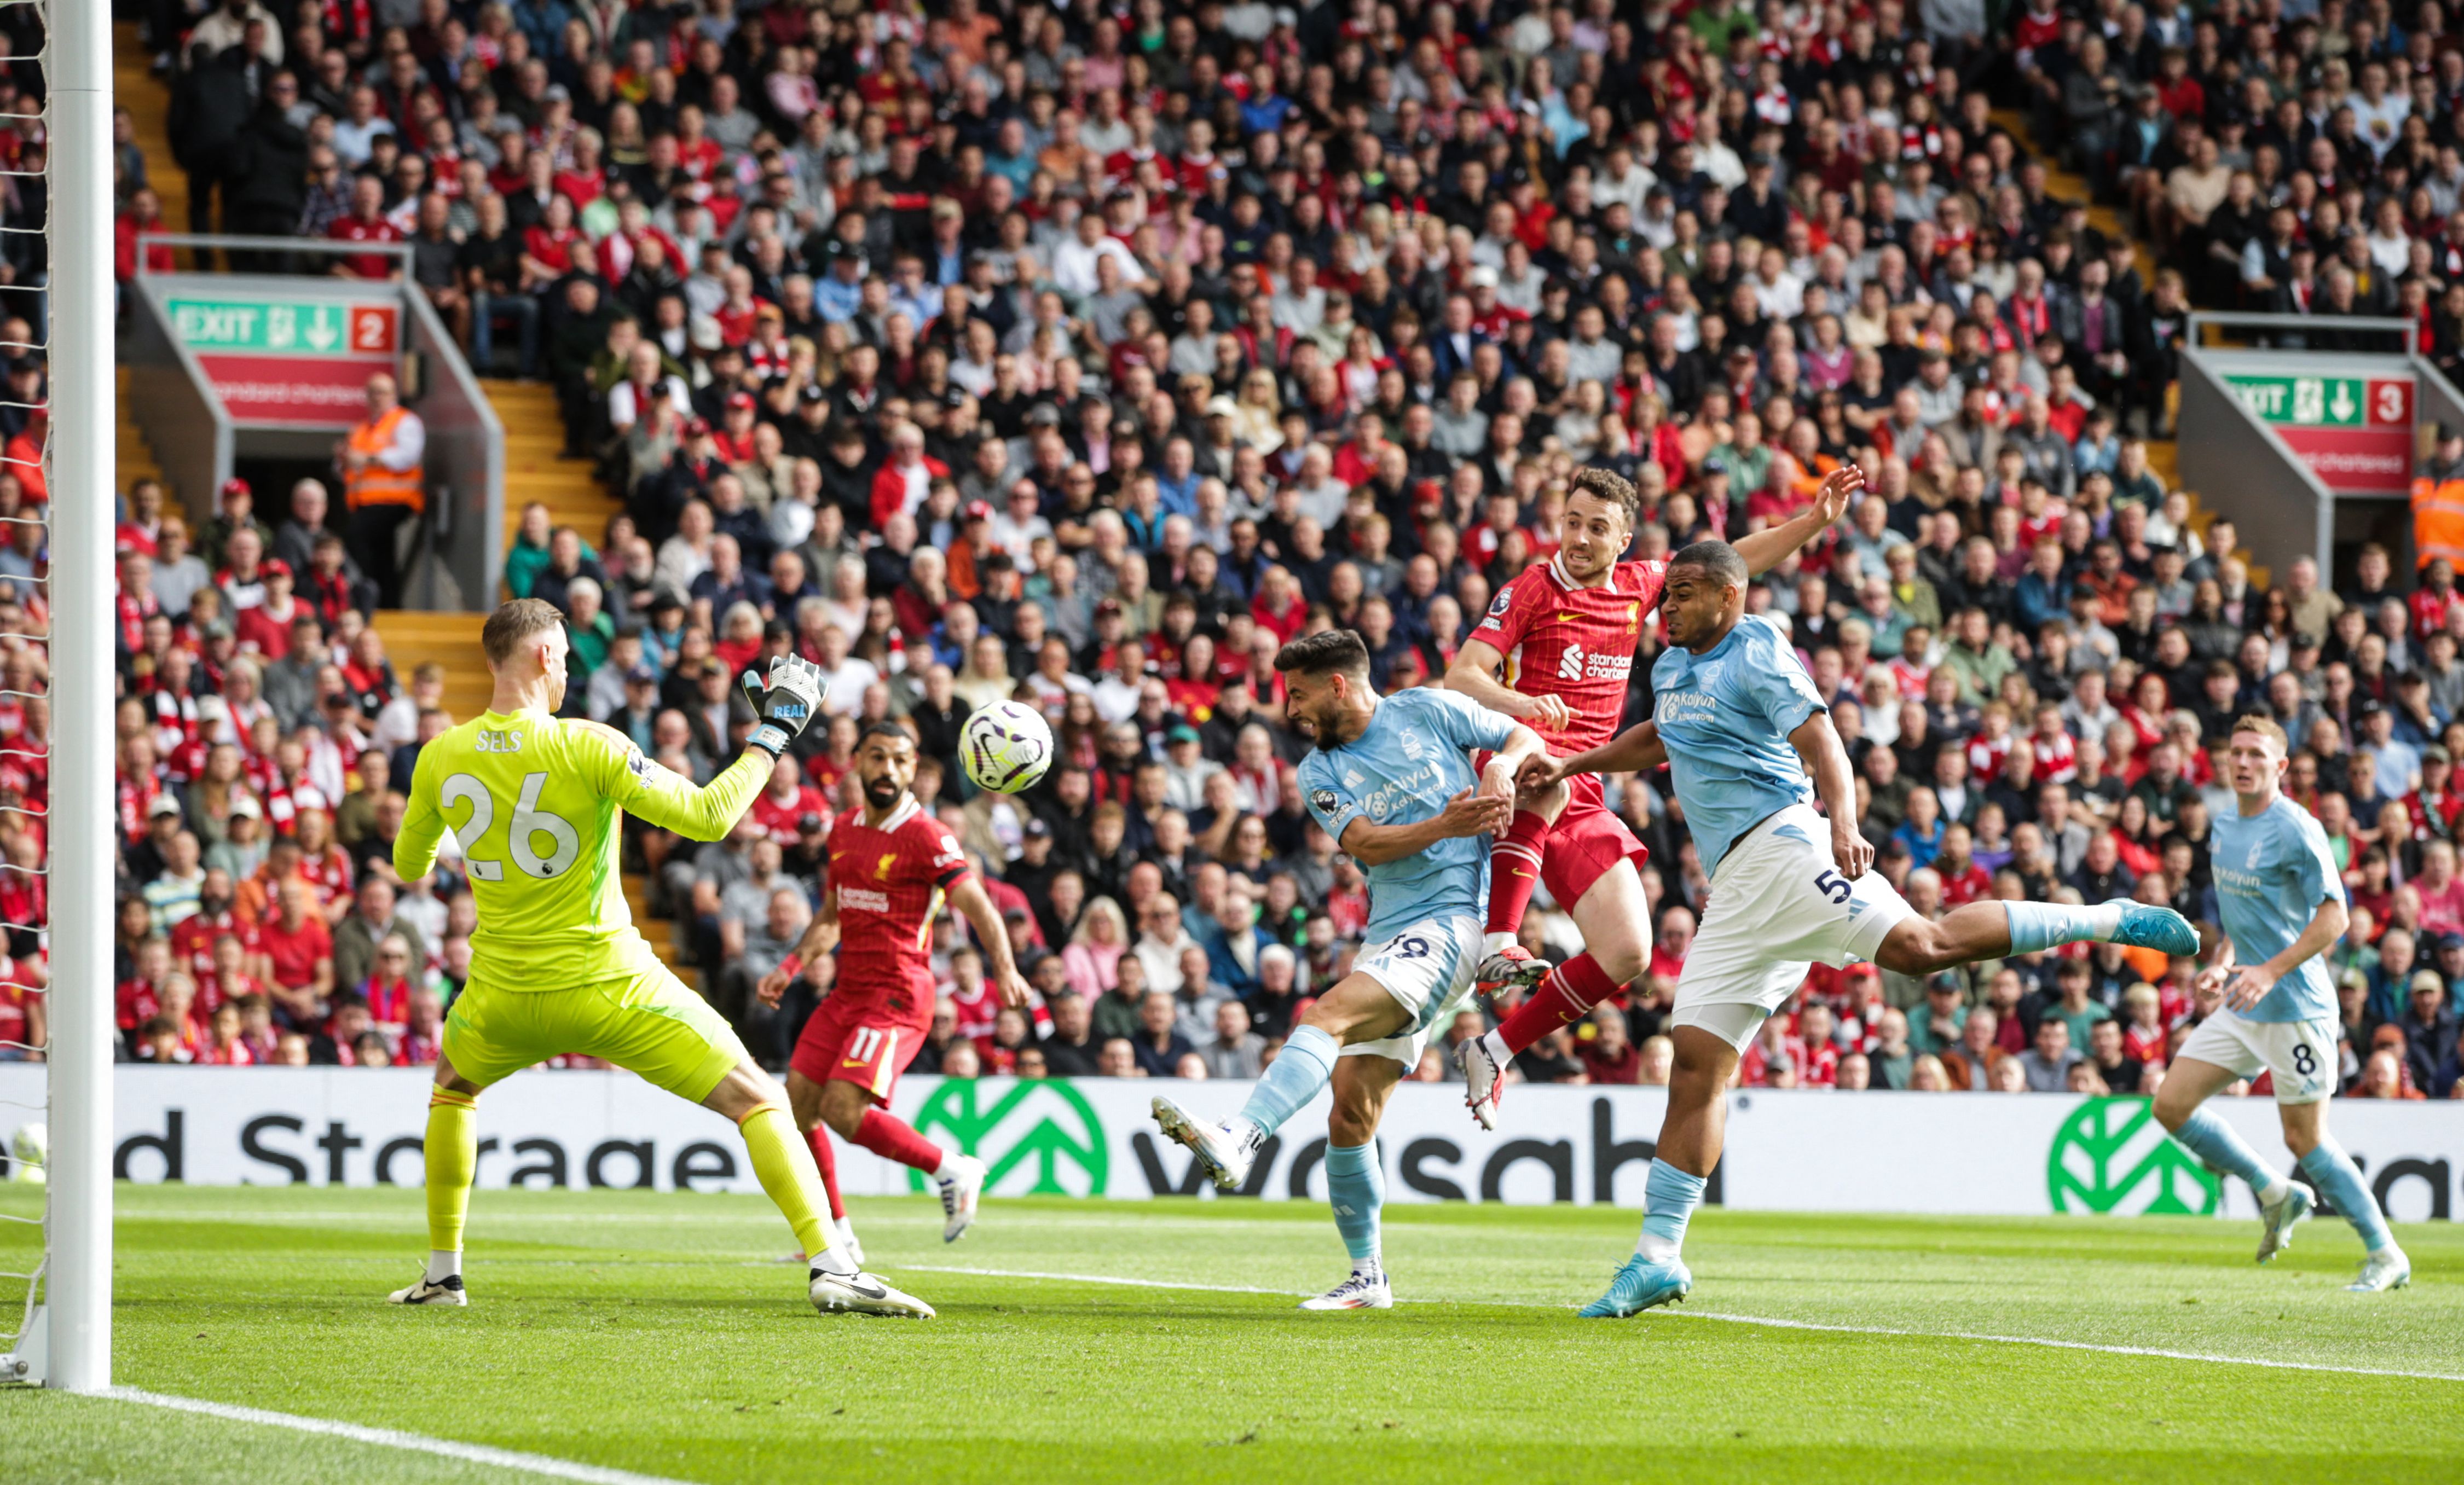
pixel 371 482
pixel 2438 522
pixel 384 485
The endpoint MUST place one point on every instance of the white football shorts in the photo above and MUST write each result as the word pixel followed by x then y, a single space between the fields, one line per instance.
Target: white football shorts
pixel 1428 969
pixel 2302 1055
pixel 1778 903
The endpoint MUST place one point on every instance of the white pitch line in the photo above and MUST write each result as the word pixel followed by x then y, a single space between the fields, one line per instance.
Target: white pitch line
pixel 1090 1279
pixel 396 1438
pixel 2063 1346
pixel 2154 1352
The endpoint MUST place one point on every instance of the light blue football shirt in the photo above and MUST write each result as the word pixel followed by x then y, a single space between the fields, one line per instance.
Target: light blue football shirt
pixel 1414 756
pixel 2273 869
pixel 1726 715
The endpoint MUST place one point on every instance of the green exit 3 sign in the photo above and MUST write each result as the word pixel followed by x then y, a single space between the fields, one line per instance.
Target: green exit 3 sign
pixel 2326 402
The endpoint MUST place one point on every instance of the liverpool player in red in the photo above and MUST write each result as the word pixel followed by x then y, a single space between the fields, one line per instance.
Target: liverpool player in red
pixel 890 866
pixel 1567 628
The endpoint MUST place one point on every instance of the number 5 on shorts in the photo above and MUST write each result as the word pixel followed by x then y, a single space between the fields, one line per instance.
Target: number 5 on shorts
pixel 1832 885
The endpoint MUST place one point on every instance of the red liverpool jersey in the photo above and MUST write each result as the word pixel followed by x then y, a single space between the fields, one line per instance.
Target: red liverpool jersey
pixel 1563 640
pixel 192 940
pixel 888 884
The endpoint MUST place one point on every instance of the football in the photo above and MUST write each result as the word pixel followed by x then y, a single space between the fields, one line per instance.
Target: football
pixel 1005 747
pixel 31 1150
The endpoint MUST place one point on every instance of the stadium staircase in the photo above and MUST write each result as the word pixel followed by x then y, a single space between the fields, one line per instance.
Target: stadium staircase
pixel 134 458
pixel 147 98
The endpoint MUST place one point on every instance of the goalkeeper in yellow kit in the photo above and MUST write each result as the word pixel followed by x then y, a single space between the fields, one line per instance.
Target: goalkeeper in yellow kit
pixel 556 965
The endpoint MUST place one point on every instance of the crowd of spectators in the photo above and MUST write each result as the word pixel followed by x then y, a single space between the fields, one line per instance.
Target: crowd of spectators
pixel 263 740
pixel 1085 355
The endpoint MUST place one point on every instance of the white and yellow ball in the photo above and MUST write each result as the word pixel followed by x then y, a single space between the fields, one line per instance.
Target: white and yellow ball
pixel 1005 747
pixel 31 1151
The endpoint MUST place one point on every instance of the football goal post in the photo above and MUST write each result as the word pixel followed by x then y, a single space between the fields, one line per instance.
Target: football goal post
pixel 59 1334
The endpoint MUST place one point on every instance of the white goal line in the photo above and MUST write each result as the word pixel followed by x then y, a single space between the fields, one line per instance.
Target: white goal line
pixel 1673 1313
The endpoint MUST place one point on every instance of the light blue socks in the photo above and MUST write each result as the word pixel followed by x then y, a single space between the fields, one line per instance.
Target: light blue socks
pixel 1299 1070
pixel 2331 1172
pixel 2337 1178
pixel 1356 1186
pixel 2204 1135
pixel 1669 1197
pixel 2036 927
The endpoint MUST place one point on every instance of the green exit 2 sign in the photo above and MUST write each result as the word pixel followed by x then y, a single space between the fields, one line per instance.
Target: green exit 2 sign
pixel 2326 402
pixel 286 327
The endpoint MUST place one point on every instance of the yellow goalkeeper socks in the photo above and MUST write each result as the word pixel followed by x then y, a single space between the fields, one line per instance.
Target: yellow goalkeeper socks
pixel 784 1163
pixel 453 1157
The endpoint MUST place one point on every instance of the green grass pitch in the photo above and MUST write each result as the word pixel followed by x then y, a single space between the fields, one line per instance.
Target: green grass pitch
pixel 657 1334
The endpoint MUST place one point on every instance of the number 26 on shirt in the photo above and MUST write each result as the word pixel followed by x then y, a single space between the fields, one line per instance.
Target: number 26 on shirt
pixel 522 832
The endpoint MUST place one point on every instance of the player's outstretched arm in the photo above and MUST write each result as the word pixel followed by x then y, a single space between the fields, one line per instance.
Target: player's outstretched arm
pixel 1766 549
pixel 819 937
pixel 1633 750
pixel 973 903
pixel 785 703
pixel 1469 813
pixel 2252 985
pixel 642 787
pixel 1474 673
pixel 1826 763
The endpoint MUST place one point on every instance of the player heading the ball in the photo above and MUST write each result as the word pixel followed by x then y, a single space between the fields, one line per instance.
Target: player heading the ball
pixel 1566 632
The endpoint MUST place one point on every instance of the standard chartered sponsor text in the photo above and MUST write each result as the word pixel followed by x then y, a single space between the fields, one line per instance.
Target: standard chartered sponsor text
pixel 2358 463
pixel 310 392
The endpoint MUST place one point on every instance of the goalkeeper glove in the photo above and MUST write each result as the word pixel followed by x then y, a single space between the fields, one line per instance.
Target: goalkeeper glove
pixel 787 703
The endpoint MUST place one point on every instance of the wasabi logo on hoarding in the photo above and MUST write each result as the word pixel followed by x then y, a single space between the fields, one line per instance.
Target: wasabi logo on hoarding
pixel 2112 1156
pixel 1043 1125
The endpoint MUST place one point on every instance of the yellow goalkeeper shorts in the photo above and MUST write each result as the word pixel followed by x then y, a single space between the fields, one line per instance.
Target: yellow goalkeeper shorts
pixel 649 1023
